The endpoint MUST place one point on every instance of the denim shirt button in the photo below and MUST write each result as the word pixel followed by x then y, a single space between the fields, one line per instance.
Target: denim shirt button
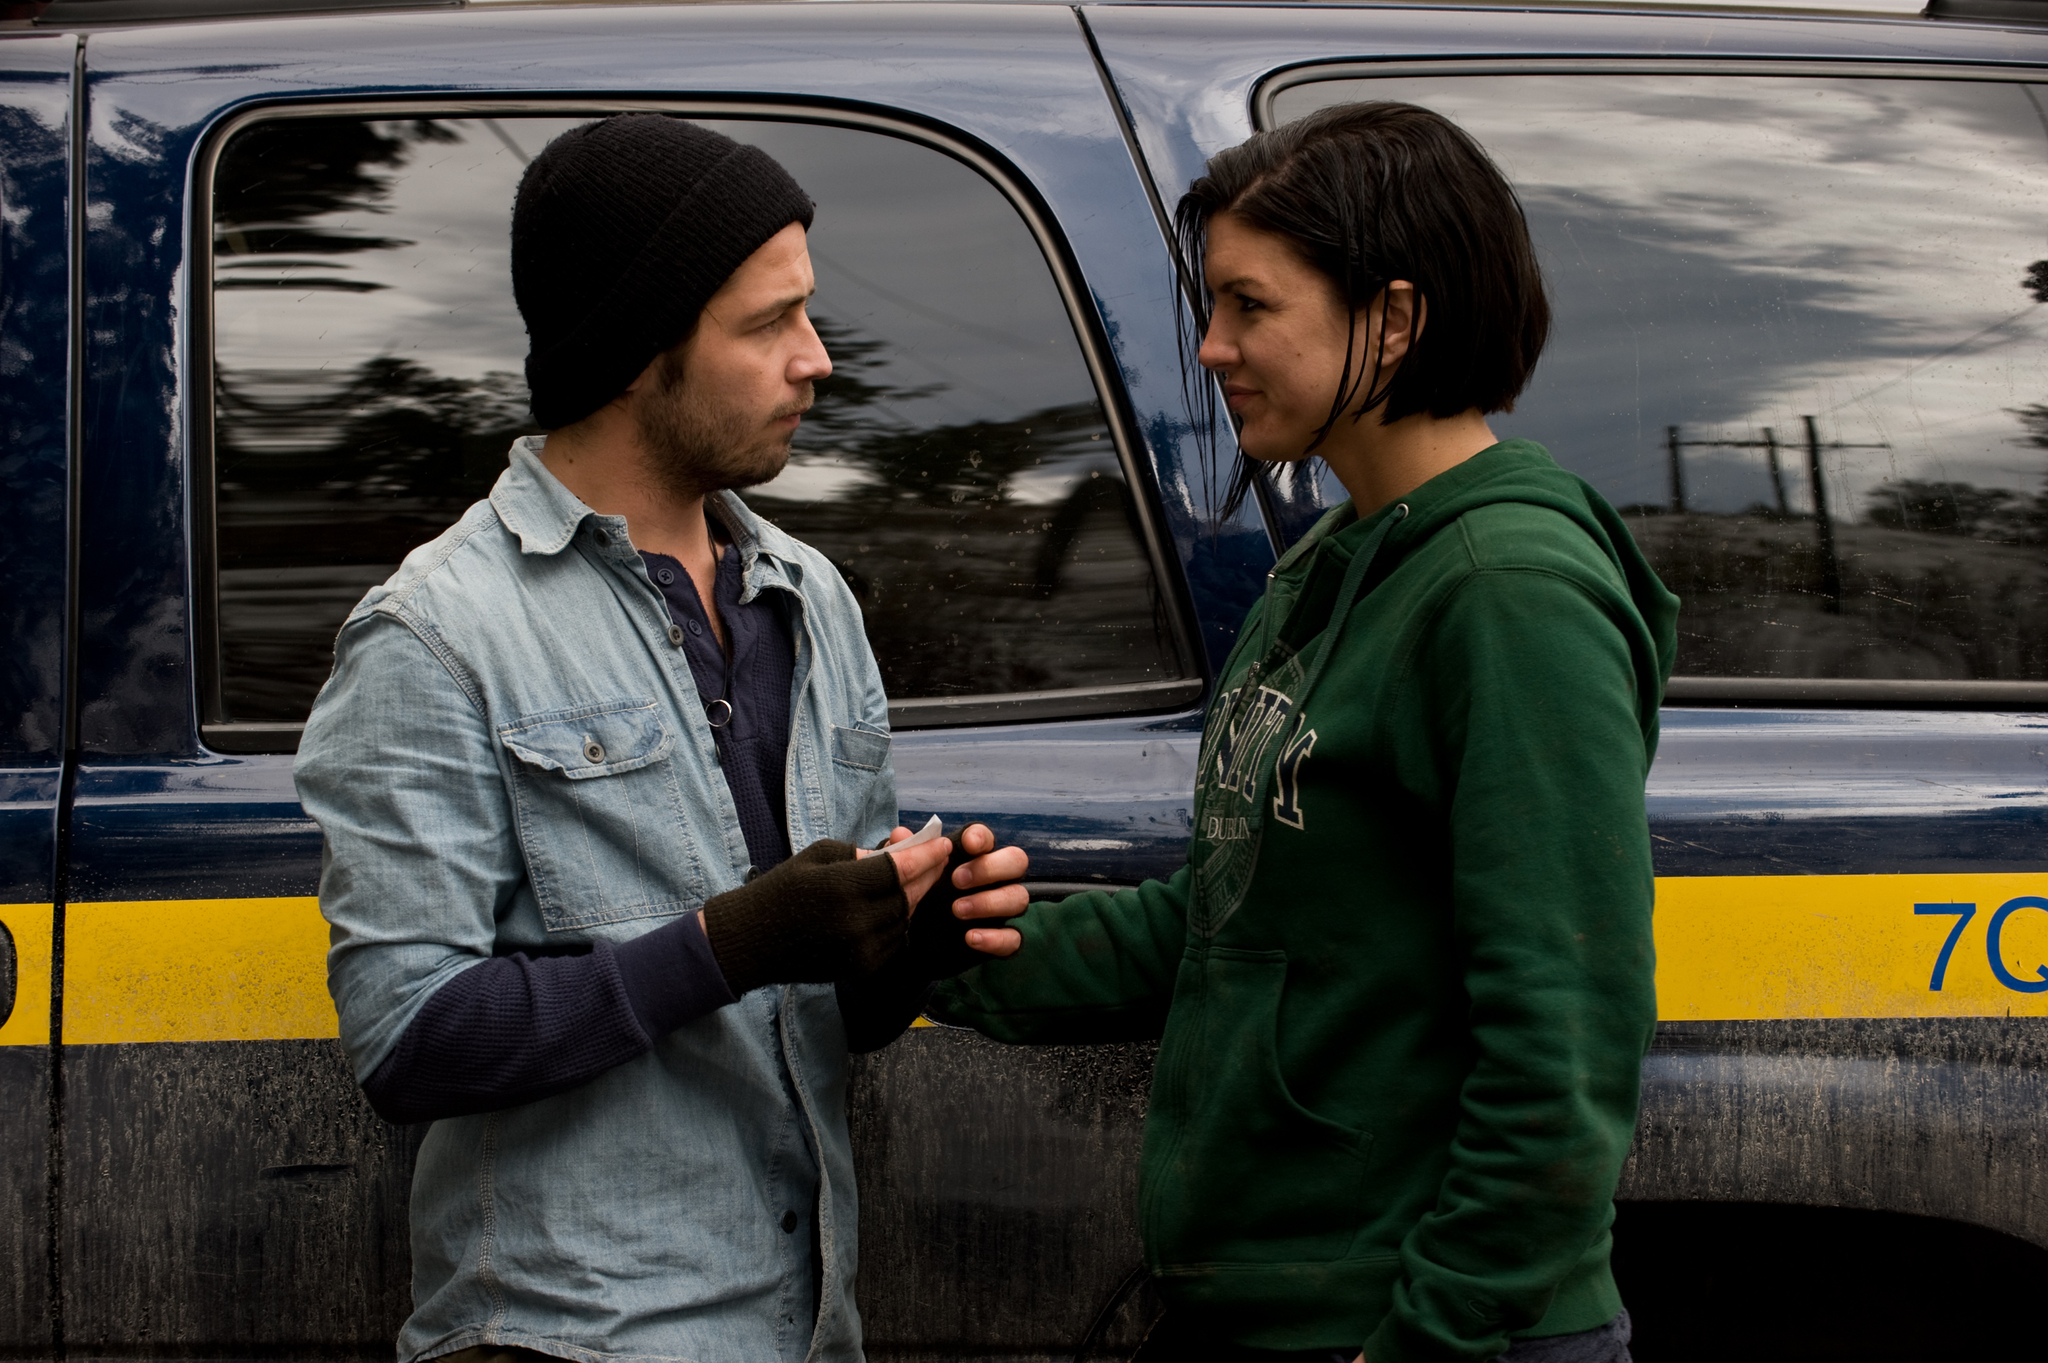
pixel 593 751
pixel 675 635
pixel 788 1223
pixel 602 537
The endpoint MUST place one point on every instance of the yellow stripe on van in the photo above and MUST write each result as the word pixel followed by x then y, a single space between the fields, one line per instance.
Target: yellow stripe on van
pixel 29 925
pixel 196 970
pixel 1915 946
pixel 1728 947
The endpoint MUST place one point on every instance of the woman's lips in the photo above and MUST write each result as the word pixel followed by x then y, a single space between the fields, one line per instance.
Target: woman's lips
pixel 1238 397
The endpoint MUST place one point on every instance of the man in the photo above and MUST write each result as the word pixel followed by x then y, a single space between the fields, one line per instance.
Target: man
pixel 561 766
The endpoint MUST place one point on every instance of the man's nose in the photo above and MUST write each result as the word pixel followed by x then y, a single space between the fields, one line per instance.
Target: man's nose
pixel 811 361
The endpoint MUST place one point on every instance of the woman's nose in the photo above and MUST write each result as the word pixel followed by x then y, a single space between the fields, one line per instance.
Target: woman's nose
pixel 1216 353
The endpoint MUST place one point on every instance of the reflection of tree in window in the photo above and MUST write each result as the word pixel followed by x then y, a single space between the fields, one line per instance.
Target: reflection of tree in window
pixel 989 555
pixel 278 177
pixel 325 480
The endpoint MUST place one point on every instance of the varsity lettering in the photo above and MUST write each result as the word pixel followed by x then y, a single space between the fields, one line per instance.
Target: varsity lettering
pixel 1287 775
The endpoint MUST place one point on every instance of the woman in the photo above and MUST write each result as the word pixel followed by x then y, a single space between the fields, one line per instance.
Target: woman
pixel 1405 980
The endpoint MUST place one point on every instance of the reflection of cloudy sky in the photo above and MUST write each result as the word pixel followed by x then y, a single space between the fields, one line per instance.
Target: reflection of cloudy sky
pixel 910 247
pixel 1732 252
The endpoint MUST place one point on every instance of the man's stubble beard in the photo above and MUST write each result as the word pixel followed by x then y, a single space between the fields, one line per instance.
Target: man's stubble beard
pixel 697 444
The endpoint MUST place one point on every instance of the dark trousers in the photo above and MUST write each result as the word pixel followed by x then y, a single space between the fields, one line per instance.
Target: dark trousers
pixel 1177 1339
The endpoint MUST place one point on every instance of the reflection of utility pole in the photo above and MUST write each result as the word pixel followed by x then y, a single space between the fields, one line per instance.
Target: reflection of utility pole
pixel 1777 474
pixel 1672 442
pixel 1823 523
pixel 1769 443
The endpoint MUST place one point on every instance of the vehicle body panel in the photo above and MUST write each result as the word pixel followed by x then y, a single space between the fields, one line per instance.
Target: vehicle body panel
pixel 229 1191
pixel 35 429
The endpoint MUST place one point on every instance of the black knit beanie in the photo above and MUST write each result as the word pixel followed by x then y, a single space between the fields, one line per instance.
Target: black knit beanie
pixel 622 231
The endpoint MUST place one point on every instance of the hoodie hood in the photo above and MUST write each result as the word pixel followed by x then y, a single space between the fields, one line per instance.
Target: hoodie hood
pixel 1514 471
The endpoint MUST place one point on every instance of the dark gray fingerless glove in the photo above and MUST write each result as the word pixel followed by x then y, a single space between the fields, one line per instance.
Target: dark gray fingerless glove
pixel 821 916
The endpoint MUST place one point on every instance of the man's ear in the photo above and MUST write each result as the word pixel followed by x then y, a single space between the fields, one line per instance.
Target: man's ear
pixel 645 382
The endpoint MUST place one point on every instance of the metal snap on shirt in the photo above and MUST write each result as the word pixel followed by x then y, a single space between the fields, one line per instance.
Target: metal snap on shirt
pixel 593 751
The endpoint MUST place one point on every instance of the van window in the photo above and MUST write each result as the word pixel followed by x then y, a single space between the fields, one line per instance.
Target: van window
pixel 1799 338
pixel 957 467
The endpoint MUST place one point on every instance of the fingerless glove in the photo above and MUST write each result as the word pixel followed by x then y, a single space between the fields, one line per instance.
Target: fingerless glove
pixel 823 915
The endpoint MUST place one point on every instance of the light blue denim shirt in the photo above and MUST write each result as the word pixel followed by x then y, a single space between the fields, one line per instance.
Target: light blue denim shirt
pixel 448 762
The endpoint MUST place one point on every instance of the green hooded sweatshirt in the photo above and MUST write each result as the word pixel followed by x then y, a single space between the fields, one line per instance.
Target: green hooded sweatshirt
pixel 1405 982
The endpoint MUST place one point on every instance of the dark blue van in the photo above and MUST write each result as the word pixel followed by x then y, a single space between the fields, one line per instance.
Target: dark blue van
pixel 257 340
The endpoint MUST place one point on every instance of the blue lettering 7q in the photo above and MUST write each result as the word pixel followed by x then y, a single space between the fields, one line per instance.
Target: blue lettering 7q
pixel 1964 912
pixel 1991 946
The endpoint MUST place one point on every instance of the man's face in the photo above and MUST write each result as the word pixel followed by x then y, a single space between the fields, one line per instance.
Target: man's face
pixel 719 410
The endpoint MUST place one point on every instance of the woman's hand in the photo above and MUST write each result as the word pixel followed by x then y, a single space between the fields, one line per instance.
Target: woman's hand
pixel 991 865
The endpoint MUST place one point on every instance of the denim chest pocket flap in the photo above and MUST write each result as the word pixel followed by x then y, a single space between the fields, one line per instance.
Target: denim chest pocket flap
pixel 861 748
pixel 592 740
pixel 602 851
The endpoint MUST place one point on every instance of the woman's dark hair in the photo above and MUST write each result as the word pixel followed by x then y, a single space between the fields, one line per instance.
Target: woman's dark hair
pixel 1371 193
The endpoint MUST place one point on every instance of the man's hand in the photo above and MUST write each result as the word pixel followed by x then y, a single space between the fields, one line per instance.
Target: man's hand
pixel 917 868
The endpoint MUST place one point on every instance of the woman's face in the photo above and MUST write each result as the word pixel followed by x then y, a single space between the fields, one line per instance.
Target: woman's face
pixel 1276 339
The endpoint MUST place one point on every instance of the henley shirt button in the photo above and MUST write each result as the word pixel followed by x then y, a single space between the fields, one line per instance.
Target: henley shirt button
pixel 675 635
pixel 696 628
pixel 593 751
pixel 788 1222
pixel 666 577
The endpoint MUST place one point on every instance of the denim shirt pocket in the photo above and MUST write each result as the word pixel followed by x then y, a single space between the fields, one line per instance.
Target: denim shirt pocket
pixel 859 757
pixel 861 749
pixel 600 814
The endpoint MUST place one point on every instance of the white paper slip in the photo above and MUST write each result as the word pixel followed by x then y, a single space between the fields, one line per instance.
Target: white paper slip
pixel 932 829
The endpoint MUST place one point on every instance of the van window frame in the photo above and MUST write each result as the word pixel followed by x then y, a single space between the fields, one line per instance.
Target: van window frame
pixel 1801 692
pixel 1162 696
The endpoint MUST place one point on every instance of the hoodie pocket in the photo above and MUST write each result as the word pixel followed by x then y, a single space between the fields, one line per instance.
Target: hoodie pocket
pixel 600 814
pixel 1248 1173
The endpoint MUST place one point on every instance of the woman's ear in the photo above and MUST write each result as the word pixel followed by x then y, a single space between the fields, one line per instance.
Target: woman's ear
pixel 1398 314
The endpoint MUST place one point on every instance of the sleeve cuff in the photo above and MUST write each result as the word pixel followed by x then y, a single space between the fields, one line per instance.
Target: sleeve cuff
pixel 671 976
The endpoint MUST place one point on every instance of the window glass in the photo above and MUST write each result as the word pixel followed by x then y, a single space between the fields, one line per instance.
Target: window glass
pixel 1799 339
pixel 957 467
